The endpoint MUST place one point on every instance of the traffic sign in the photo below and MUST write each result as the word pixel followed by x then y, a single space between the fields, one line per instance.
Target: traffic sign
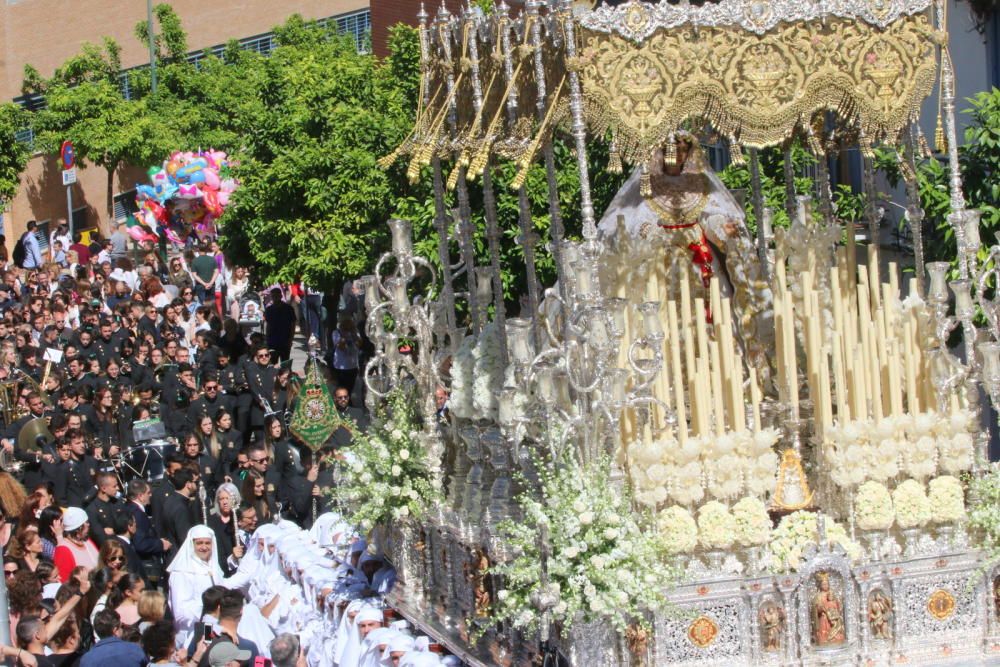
pixel 69 176
pixel 68 155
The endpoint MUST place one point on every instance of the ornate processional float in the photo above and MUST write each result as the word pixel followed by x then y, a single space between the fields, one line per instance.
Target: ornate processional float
pixel 701 445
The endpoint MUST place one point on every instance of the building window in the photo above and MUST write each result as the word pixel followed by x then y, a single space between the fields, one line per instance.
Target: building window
pixel 359 26
pixel 125 205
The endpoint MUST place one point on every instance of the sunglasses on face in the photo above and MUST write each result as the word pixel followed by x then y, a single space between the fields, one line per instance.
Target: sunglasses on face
pixel 117 559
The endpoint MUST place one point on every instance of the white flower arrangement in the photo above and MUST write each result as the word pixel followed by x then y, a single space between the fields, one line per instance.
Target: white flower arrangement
pixel 913 509
pixel 602 565
pixel 723 467
pixel 387 477
pixel 919 445
pixel 873 507
pixel 716 526
pixel 752 523
pixel 796 532
pixel 678 530
pixel 984 516
pixel 955 452
pixel 947 499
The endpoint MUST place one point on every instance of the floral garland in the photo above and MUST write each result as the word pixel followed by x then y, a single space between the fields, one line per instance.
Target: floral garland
pixel 947 499
pixel 387 474
pixel 724 467
pixel 984 517
pixel 873 507
pixel 917 445
pixel 796 532
pixel 913 508
pixel 602 564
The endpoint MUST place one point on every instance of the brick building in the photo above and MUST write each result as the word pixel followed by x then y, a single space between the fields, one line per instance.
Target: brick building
pixel 44 33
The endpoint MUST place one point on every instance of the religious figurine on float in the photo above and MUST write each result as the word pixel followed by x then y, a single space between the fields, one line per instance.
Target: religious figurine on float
pixel 675 220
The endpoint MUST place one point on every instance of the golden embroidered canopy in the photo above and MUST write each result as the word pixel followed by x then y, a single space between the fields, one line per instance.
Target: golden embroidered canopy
pixel 756 72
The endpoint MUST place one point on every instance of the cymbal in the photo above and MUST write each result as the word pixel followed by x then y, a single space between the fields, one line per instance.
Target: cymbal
pixel 34 435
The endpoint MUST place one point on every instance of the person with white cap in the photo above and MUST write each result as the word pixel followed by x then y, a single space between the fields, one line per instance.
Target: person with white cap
pixel 193 569
pixel 368 619
pixel 398 646
pixel 74 548
pixel 419 659
pixel 372 646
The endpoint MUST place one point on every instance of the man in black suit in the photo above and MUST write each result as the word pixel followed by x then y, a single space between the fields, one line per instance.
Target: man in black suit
pixel 260 377
pixel 104 507
pixel 344 435
pixel 147 542
pixel 178 511
pixel 210 402
pixel 32 460
pixel 125 527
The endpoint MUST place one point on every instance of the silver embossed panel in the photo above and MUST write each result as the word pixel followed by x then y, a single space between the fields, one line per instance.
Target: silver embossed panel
pixel 639 20
pixel 675 646
pixel 914 595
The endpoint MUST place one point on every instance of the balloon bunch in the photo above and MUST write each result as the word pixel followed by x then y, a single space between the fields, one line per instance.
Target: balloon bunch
pixel 188 193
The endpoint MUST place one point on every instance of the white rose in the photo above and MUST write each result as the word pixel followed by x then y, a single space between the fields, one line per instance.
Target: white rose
pixel 610 533
pixel 560 608
pixel 571 552
pixel 503 595
pixel 396 435
pixel 579 507
pixel 404 454
pixel 396 471
pixel 586 518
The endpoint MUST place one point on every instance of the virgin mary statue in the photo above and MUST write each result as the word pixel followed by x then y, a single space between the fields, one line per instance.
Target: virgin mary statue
pixel 679 222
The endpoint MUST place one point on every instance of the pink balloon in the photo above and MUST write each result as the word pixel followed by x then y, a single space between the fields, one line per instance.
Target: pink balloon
pixel 140 234
pixel 228 185
pixel 224 198
pixel 212 179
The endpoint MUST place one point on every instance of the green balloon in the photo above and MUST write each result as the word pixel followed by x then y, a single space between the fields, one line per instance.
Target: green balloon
pixel 152 171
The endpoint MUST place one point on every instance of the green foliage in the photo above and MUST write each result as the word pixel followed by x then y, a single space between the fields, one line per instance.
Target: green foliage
pixel 13 154
pixel 312 201
pixel 979 158
pixel 772 181
pixel 169 38
pixel 85 104
pixel 984 515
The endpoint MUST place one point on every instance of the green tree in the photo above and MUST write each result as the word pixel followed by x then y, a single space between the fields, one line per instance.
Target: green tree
pixel 13 153
pixel 84 103
pixel 979 158
pixel 312 201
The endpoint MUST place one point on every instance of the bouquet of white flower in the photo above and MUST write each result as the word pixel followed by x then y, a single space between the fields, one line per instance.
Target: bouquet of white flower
pixel 388 476
pixel 752 523
pixel 678 530
pixel 796 532
pixel 602 563
pixel 947 499
pixel 984 516
pixel 912 506
pixel 716 526
pixel 873 507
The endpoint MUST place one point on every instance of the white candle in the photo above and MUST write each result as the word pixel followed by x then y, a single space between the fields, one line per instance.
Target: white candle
pixel 755 399
pixel 675 367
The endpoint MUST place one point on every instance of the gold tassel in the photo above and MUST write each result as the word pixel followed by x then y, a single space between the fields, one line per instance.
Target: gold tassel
pixel 614 159
pixel 940 145
pixel 736 152
pixel 645 187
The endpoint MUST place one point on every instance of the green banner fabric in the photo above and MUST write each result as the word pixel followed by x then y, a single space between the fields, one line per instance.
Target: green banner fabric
pixel 315 417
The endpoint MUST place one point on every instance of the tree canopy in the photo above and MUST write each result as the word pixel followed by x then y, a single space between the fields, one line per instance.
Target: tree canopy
pixel 13 154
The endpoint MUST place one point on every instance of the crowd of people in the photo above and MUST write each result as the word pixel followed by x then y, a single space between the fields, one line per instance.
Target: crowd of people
pixel 156 508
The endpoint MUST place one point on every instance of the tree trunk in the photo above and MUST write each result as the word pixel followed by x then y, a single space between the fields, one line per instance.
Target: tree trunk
pixel 111 198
